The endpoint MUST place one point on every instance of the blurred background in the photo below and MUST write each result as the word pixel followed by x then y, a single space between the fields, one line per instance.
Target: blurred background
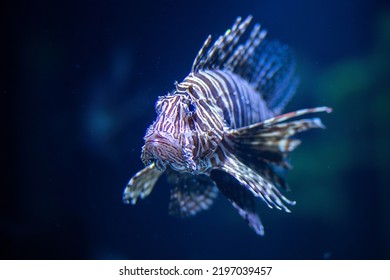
pixel 78 84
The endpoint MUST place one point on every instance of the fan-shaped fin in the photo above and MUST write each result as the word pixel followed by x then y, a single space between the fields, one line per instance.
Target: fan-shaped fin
pixel 190 194
pixel 241 199
pixel 258 185
pixel 141 184
pixel 268 66
pixel 272 73
pixel 270 140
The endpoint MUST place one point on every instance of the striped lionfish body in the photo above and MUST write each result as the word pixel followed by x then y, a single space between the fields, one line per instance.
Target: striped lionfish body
pixel 226 116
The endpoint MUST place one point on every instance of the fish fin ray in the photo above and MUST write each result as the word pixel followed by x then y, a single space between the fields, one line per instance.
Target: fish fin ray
pixel 274 173
pixel 272 73
pixel 271 140
pixel 241 199
pixel 260 186
pixel 141 184
pixel 216 55
pixel 268 66
pixel 190 194
pixel 251 217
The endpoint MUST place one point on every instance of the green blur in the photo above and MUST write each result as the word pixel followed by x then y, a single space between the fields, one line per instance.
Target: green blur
pixel 341 174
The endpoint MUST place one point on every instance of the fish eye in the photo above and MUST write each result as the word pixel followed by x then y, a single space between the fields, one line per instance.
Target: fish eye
pixel 191 107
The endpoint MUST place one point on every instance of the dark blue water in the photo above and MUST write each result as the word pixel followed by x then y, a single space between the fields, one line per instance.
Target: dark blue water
pixel 78 87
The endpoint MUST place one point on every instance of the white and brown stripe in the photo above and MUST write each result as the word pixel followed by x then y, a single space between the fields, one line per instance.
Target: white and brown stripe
pixel 222 116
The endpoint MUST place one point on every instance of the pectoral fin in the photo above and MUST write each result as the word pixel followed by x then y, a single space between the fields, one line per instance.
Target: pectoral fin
pixel 258 185
pixel 241 199
pixel 141 184
pixel 270 140
pixel 190 193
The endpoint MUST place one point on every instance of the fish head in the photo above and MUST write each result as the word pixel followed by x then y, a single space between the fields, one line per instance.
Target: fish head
pixel 179 137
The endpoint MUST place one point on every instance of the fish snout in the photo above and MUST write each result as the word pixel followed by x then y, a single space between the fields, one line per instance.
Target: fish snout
pixel 162 149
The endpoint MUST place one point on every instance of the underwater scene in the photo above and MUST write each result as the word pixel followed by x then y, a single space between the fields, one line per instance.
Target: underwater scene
pixel 95 93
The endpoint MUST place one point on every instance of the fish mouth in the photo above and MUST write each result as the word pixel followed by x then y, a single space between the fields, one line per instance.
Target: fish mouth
pixel 163 151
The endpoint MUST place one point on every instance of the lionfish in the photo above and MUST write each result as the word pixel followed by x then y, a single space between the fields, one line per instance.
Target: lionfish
pixel 226 116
